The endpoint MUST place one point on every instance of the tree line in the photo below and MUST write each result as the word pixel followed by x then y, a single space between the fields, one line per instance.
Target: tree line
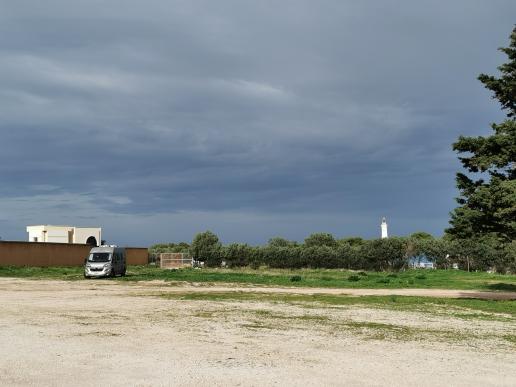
pixel 323 250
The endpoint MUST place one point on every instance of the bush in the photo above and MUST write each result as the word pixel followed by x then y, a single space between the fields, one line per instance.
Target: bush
pixel 383 280
pixel 283 257
pixel 320 239
pixel 353 278
pixel 477 254
pixel 295 278
pixel 347 257
pixel 181 247
pixel 281 242
pixel 237 255
pixel 206 247
pixel 384 254
pixel 320 257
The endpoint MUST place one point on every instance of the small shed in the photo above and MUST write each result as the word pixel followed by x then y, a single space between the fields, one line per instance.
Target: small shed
pixel 421 262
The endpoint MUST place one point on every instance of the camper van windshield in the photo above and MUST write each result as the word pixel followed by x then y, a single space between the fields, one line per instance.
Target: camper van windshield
pixel 99 257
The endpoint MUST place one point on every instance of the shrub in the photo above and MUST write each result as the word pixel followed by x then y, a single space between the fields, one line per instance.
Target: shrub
pixel 353 278
pixel 383 280
pixel 283 257
pixel 281 242
pixel 384 254
pixel 206 247
pixel 347 257
pixel 320 257
pixel 320 239
pixel 295 278
pixel 237 254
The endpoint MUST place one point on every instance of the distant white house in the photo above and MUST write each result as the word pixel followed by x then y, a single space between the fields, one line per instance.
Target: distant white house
pixel 65 234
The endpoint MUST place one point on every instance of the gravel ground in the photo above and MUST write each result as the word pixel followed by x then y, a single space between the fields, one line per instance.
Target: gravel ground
pixel 103 332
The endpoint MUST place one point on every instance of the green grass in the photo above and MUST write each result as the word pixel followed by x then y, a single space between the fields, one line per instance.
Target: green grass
pixel 431 279
pixel 60 273
pixel 461 308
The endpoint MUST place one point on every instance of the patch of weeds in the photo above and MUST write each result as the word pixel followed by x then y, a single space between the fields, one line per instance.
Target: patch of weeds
pixel 267 314
pixel 478 316
pixel 204 314
pixel 100 333
pixel 258 325
pixel 510 338
pixel 410 281
pixel 353 278
pixel 362 273
pixel 296 278
pixel 380 331
pixel 308 317
pixel 393 298
pixel 420 277
pixel 383 280
pixel 326 279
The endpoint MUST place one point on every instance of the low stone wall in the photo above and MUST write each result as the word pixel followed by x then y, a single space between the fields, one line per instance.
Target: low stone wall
pixel 14 253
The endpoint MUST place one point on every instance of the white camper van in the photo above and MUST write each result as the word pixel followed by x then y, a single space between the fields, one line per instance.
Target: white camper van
pixel 105 261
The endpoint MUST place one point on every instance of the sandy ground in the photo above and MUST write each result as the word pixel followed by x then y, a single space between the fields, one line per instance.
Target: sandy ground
pixel 103 332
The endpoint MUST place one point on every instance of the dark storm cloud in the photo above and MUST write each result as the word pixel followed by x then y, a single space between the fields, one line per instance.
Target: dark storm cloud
pixel 160 119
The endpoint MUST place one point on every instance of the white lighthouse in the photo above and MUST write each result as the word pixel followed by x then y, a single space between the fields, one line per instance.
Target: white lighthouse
pixel 384 228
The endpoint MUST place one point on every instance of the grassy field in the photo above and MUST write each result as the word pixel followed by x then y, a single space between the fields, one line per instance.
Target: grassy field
pixel 430 279
pixel 462 308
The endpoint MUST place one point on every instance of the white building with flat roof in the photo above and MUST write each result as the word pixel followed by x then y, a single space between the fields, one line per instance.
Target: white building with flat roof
pixel 65 234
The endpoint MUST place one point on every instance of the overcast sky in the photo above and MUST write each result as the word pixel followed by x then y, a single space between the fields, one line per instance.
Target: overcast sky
pixel 156 120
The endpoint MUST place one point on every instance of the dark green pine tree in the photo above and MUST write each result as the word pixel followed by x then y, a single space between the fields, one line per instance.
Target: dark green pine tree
pixel 488 192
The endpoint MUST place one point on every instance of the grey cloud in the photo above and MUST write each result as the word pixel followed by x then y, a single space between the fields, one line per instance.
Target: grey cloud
pixel 253 119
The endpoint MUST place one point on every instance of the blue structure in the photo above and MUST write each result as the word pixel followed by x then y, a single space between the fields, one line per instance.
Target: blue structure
pixel 421 262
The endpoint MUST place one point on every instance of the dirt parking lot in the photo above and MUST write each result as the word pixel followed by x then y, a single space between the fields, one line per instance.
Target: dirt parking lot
pixel 111 333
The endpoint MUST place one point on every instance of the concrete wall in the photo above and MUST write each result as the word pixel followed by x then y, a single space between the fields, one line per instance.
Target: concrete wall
pixel 61 235
pixel 81 234
pixel 36 233
pixel 57 254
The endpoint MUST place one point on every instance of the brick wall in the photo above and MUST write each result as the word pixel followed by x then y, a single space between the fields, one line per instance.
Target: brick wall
pixel 57 254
